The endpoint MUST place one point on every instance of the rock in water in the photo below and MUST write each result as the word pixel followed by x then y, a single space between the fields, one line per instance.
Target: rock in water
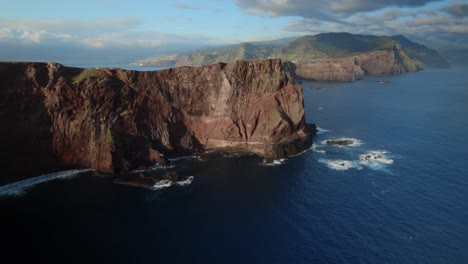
pixel 344 142
pixel 115 120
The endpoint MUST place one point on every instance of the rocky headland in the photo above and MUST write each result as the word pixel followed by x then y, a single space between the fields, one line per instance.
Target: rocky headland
pixel 114 120
pixel 322 57
pixel 383 62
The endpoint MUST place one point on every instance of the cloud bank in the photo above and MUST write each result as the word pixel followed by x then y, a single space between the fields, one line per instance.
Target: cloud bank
pixel 125 39
pixel 443 26
pixel 104 40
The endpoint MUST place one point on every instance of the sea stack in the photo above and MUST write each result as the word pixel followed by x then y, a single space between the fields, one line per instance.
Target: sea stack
pixel 115 120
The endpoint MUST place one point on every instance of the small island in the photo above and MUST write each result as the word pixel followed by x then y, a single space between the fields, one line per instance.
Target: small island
pixel 343 143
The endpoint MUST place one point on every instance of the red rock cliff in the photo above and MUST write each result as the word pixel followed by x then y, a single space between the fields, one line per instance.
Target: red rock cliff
pixel 114 120
pixel 379 62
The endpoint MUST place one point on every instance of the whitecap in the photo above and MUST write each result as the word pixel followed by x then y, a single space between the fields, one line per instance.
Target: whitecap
pixel 167 183
pixel 316 149
pixel 376 159
pixel 17 187
pixel 340 164
pixel 354 142
pixel 162 184
pixel 320 108
pixel 275 162
pixel 185 182
pixel 322 130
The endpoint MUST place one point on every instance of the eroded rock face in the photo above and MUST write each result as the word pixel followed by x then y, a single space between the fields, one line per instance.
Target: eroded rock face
pixel 381 62
pixel 115 120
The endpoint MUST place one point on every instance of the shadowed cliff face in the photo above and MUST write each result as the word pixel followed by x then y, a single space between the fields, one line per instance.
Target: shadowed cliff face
pixel 115 120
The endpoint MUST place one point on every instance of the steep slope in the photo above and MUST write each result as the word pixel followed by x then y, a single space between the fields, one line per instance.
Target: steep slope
pixel 331 56
pixel 429 57
pixel 349 68
pixel 331 45
pixel 231 53
pixel 115 120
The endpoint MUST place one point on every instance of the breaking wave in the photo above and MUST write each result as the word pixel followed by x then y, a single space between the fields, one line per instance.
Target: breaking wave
pixel 188 181
pixel 316 149
pixel 275 162
pixel 340 164
pixel 376 159
pixel 322 130
pixel 167 183
pixel 18 187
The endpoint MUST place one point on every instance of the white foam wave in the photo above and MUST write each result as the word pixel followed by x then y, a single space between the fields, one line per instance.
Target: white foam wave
pixel 162 184
pixel 275 162
pixel 376 159
pixel 340 164
pixel 185 182
pixel 17 187
pixel 167 183
pixel 316 149
pixel 354 142
pixel 322 130
pixel 320 108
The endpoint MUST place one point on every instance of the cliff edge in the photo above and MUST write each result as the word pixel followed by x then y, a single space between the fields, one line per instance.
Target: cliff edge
pixel 115 120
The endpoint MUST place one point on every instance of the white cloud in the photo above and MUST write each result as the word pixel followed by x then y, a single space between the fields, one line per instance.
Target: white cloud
pixel 31 36
pixel 6 33
pixel 117 39
pixel 423 24
pixel 324 10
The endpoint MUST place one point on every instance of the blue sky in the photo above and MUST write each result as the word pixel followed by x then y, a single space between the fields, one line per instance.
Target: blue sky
pixel 123 31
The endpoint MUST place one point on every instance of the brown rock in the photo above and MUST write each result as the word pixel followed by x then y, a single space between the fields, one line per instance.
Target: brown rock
pixel 381 62
pixel 114 120
pixel 345 142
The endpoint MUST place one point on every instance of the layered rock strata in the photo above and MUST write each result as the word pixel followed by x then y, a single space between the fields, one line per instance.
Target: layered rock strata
pixel 115 120
pixel 382 62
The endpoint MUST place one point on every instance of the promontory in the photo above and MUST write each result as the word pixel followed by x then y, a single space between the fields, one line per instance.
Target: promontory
pixel 113 120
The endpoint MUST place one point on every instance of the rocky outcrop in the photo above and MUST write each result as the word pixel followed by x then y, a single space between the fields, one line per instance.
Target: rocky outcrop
pixel 381 62
pixel 114 120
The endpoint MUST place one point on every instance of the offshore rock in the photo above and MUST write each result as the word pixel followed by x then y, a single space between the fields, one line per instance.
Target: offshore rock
pixel 115 120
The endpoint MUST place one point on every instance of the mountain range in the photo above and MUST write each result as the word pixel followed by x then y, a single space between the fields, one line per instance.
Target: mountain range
pixel 325 56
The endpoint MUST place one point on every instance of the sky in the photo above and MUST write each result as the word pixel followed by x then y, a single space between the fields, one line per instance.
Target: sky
pixel 117 31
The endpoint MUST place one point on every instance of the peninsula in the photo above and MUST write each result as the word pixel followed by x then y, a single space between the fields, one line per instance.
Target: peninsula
pixel 114 120
pixel 321 57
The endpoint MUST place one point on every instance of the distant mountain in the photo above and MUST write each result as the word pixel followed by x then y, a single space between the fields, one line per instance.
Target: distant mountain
pixel 359 54
pixel 429 57
pixel 225 54
pixel 332 45
pixel 456 57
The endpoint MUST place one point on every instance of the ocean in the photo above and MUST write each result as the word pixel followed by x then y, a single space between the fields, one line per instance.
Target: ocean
pixel 398 194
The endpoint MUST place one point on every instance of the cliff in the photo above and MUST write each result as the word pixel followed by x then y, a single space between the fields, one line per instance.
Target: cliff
pixel 326 56
pixel 114 120
pixel 380 62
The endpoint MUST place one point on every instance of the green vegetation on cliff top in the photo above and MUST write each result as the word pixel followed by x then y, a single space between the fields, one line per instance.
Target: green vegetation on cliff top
pixel 325 45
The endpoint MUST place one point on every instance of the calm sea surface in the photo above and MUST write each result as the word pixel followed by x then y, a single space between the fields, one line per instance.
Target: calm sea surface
pixel 408 203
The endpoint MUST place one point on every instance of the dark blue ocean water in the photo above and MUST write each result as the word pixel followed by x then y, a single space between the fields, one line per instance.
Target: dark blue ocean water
pixel 325 206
